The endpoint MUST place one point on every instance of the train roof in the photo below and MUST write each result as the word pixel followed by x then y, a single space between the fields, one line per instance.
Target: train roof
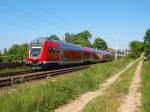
pixel 97 51
pixel 65 45
pixel 105 52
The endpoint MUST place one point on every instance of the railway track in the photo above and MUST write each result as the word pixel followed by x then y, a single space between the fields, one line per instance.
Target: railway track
pixel 11 64
pixel 20 77
pixel 17 73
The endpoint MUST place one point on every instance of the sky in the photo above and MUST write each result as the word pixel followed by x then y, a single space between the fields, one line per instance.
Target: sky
pixel 116 21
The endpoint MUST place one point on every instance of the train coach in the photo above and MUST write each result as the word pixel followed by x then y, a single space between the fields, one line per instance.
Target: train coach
pixel 45 53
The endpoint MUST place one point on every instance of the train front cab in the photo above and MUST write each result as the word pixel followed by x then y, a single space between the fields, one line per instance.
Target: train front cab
pixel 34 55
pixel 43 53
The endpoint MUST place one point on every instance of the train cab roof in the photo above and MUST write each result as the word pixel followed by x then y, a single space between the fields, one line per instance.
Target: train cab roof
pixel 40 40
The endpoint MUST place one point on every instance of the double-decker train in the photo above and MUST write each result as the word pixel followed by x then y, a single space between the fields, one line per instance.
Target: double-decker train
pixel 45 53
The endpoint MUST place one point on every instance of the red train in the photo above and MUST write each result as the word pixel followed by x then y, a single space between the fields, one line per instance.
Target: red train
pixel 46 53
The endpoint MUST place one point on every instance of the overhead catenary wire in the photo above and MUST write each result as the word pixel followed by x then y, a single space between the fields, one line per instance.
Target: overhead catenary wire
pixel 43 9
pixel 21 26
pixel 11 14
pixel 18 17
pixel 47 11
pixel 33 16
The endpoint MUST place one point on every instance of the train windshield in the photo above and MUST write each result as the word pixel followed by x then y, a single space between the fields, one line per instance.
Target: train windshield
pixel 35 51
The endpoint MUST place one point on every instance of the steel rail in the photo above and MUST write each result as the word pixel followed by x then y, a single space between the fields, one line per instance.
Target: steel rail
pixel 20 78
pixel 17 73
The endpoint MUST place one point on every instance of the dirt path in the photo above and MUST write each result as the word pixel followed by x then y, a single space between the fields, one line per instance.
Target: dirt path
pixel 79 103
pixel 132 101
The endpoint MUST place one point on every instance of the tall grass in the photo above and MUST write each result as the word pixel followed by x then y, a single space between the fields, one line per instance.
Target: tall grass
pixel 145 88
pixel 110 101
pixel 45 97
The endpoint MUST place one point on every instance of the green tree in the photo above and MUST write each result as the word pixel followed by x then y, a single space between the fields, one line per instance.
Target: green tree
pixel 85 35
pixel 12 54
pixel 147 43
pixel 82 42
pixel 18 52
pixel 69 37
pixel 110 49
pixel 54 37
pixel 23 51
pixel 137 48
pixel 99 43
pixel 82 38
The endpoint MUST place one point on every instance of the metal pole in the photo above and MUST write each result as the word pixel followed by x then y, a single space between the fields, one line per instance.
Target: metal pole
pixel 65 38
pixel 124 52
pixel 116 57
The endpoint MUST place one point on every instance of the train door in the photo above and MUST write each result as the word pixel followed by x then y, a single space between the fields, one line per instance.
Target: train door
pixel 61 56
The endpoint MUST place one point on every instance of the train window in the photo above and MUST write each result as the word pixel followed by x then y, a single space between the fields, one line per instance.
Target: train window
pixel 56 50
pixel 35 52
pixel 66 58
pixel 53 50
pixel 50 49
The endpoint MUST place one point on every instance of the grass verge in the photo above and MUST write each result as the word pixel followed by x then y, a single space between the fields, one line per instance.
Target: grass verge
pixel 45 97
pixel 110 101
pixel 145 88
pixel 17 69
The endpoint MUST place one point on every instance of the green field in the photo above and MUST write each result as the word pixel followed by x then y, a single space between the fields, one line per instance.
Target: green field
pixel 111 100
pixel 45 97
pixel 145 87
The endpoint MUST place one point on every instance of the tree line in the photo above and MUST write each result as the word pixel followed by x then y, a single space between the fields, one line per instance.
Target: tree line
pixel 138 47
pixel 19 52
pixel 14 53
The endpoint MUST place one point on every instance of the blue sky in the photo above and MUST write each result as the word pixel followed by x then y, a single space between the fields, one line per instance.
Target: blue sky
pixel 125 19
